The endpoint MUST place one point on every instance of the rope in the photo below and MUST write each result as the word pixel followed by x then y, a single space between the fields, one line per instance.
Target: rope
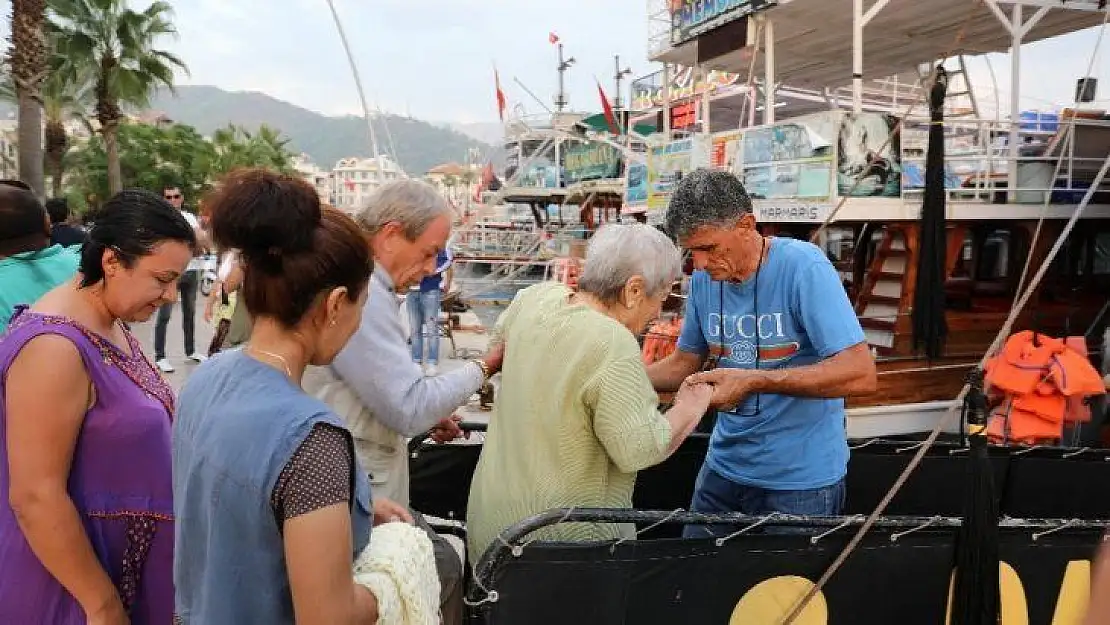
pixel 935 433
pixel 960 33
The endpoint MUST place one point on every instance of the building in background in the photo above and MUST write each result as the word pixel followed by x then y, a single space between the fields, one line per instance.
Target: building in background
pixel 320 179
pixel 354 179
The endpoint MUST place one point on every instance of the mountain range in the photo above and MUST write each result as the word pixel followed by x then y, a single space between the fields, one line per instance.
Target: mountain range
pixel 417 145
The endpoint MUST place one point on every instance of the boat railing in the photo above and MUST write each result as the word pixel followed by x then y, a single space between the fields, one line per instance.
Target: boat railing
pixel 1059 158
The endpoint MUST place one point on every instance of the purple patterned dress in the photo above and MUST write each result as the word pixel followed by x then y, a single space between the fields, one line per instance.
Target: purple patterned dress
pixel 119 481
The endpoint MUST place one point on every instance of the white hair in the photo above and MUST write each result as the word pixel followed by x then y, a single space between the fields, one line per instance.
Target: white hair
pixel 617 253
pixel 414 204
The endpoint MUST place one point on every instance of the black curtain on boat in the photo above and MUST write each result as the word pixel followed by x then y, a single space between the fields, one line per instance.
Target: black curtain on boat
pixel 929 326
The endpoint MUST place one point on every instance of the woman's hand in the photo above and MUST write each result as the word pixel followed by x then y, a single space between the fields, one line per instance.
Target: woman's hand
pixel 730 386
pixel 388 511
pixel 694 396
pixel 495 357
pixel 112 613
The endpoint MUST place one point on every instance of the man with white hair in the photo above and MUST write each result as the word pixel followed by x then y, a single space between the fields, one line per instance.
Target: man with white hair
pixel 374 384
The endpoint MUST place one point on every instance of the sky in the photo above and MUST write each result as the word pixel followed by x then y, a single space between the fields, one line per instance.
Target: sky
pixel 434 59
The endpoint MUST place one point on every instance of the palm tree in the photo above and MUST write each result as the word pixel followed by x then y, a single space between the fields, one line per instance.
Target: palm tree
pixel 115 45
pixel 62 101
pixel 27 62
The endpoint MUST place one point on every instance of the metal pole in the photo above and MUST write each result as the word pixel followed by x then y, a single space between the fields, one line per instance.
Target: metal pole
pixel 667 101
pixel 361 93
pixel 1015 102
pixel 769 72
pixel 621 73
pixel 560 97
pixel 857 56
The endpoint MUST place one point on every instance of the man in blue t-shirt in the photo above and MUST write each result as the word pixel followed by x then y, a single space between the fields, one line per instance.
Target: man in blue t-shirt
pixel 784 348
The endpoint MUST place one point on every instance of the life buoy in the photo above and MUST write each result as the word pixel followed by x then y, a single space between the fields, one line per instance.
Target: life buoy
pixel 1039 384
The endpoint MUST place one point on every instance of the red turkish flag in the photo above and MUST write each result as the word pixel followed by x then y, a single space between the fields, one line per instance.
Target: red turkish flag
pixel 500 95
pixel 553 38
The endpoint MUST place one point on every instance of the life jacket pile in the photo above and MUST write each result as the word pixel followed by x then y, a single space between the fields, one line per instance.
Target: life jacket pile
pixel 1042 383
pixel 661 339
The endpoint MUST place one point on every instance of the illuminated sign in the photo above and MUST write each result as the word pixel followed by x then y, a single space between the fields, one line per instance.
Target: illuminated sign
pixel 647 92
pixel 692 18
pixel 684 115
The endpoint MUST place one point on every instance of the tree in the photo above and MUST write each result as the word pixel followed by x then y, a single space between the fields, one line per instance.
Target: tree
pixel 115 45
pixel 238 147
pixel 153 157
pixel 27 63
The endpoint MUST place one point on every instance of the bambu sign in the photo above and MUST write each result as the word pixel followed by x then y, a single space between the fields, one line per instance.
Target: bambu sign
pixel 591 161
pixel 647 92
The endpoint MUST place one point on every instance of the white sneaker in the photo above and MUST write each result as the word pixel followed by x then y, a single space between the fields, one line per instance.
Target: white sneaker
pixel 430 370
pixel 198 358
pixel 165 366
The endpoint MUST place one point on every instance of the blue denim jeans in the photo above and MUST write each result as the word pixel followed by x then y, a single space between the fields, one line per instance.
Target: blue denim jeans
pixel 713 493
pixel 423 314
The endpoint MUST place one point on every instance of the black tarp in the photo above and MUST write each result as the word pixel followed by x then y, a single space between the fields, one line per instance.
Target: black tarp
pixel 662 582
pixel 1038 483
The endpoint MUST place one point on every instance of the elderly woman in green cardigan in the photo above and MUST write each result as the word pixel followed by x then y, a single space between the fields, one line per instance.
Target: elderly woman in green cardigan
pixel 576 416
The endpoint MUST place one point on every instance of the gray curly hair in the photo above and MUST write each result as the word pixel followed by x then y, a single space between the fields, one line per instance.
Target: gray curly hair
pixel 706 197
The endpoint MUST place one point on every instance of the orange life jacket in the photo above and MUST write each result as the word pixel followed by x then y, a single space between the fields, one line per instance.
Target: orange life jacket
pixel 660 340
pixel 1043 384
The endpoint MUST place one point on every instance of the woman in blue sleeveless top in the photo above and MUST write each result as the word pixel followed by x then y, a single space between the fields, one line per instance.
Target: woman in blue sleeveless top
pixel 272 508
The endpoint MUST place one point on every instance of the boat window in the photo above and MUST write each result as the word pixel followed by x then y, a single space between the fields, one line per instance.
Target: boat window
pixel 962 268
pixel 987 268
pixel 994 256
pixel 1100 253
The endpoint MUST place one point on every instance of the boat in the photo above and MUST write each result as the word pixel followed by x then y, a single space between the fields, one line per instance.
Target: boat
pixel 843 168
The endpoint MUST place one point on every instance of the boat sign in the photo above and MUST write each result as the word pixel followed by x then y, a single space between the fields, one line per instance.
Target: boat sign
pixel 693 18
pixel 796 212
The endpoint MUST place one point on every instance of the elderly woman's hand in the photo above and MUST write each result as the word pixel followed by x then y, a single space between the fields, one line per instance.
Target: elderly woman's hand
pixel 495 356
pixel 730 386
pixel 696 396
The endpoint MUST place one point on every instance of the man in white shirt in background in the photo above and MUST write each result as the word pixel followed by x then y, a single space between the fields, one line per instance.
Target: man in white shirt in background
pixel 187 292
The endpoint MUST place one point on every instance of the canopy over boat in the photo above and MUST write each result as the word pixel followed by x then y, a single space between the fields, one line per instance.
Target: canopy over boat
pixel 897 35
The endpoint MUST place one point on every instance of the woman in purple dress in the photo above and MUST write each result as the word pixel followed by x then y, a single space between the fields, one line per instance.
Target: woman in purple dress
pixel 86 510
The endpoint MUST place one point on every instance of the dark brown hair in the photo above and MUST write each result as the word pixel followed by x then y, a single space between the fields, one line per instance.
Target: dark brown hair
pixel 293 249
pixel 132 223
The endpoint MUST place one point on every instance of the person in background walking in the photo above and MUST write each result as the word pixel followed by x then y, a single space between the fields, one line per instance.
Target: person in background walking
pixel 29 265
pixel 187 290
pixel 223 300
pixel 86 508
pixel 61 231
pixel 424 301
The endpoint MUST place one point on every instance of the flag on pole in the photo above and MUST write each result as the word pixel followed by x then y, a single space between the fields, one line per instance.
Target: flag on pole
pixel 553 38
pixel 610 118
pixel 499 93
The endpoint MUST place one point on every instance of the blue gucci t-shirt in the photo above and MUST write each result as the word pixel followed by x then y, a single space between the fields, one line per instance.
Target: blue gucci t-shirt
pixel 799 316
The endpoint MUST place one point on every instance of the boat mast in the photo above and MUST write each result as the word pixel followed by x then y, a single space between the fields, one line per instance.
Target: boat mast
pixel 361 93
pixel 564 65
pixel 621 73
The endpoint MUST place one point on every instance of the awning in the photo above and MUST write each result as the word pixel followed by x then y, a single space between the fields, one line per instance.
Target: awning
pixel 597 123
